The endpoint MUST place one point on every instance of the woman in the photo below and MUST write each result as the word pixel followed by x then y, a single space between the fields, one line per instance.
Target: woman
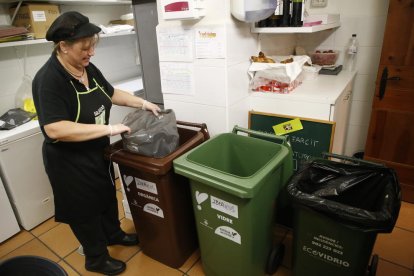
pixel 73 102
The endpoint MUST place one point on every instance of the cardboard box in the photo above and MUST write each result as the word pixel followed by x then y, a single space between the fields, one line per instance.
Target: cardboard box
pixel 37 18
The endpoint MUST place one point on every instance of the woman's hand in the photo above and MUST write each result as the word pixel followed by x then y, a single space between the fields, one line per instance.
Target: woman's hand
pixel 124 98
pixel 146 105
pixel 118 129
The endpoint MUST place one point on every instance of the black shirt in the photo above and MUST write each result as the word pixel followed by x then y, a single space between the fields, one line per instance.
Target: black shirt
pixel 55 94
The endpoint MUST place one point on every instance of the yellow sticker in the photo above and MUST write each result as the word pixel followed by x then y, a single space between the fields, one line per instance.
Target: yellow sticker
pixel 288 127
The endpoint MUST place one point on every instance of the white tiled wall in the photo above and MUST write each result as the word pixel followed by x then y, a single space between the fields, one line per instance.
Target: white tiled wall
pixel 220 84
pixel 115 56
pixel 365 18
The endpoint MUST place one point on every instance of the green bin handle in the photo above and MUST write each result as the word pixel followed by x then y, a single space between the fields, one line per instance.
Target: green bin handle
pixel 351 159
pixel 282 139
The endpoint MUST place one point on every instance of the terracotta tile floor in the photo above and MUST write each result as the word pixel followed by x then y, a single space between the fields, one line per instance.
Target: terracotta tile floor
pixel 56 242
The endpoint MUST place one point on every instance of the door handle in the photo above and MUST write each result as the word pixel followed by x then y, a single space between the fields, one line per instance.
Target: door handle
pixel 383 82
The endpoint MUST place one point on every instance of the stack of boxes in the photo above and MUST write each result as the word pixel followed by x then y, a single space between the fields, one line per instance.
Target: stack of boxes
pixel 37 18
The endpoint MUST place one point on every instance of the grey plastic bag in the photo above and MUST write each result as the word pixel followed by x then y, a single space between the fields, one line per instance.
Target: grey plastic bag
pixel 151 135
pixel 14 118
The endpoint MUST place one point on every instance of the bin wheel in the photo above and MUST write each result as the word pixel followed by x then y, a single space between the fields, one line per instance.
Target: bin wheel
pixel 275 259
pixel 372 268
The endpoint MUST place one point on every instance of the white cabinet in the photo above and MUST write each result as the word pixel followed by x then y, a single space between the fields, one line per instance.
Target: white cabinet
pixel 324 98
pixel 8 222
pixel 340 114
pixel 24 176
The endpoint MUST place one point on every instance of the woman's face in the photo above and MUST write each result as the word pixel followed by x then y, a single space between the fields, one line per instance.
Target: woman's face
pixel 80 52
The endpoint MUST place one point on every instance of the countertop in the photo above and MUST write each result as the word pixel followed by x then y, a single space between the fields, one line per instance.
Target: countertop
pixel 322 89
pixel 27 129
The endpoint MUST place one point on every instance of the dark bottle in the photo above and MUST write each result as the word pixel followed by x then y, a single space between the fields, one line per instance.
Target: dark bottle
pixel 275 20
pixel 297 13
pixel 286 13
pixel 262 23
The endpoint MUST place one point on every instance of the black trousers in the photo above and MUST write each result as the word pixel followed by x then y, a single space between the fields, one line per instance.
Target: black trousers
pixel 95 233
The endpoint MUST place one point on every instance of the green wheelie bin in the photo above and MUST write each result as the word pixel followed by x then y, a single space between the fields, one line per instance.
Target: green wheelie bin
pixel 235 180
pixel 339 207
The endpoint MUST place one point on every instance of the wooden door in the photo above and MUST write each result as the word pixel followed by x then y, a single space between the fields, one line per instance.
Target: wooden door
pixel 391 131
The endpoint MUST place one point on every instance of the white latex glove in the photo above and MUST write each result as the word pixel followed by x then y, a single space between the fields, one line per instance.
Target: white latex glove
pixel 146 105
pixel 118 129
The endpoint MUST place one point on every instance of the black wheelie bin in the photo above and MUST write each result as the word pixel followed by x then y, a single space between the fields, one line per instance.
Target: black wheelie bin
pixel 339 207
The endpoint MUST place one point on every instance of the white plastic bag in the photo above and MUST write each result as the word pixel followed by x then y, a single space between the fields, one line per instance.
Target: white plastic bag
pixel 282 72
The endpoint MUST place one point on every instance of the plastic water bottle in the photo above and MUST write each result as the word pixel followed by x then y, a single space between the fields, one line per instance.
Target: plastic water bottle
pixel 352 53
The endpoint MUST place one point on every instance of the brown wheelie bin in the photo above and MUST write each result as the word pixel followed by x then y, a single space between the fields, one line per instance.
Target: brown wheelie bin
pixel 159 199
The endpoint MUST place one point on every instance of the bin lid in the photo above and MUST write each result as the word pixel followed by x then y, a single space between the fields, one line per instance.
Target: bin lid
pixel 31 265
pixel 233 163
pixel 157 166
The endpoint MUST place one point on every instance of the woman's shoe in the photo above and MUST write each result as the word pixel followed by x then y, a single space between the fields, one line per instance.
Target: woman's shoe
pixel 108 266
pixel 126 239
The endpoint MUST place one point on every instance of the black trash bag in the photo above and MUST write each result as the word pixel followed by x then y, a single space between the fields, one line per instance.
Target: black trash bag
pixel 14 118
pixel 362 197
pixel 153 136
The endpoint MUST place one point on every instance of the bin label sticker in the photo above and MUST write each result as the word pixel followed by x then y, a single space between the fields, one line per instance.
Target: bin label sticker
pixel 326 249
pixel 128 180
pixel 154 210
pixel 226 219
pixel 224 206
pixel 147 186
pixel 150 197
pixel 200 198
pixel 228 233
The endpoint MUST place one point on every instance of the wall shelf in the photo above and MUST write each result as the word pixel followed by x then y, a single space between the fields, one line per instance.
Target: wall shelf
pixel 289 30
pixel 43 41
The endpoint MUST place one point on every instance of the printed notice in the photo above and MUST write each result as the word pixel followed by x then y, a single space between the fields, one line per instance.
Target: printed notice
pixel 39 16
pixel 327 249
pixel 210 42
pixel 177 78
pixel 175 44
pixel 224 206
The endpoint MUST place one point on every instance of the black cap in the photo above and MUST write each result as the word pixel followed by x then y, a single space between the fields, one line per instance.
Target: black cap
pixel 71 25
